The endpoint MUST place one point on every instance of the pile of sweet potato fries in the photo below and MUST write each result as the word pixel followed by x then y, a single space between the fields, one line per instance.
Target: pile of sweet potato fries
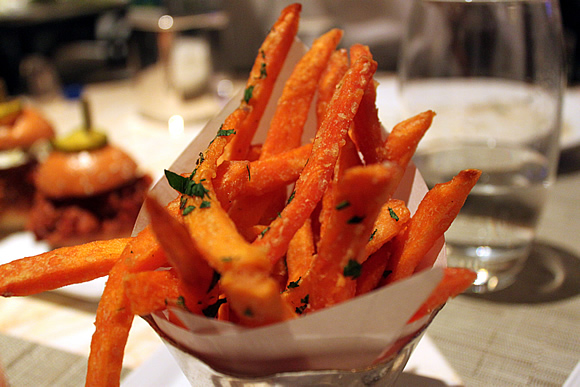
pixel 237 243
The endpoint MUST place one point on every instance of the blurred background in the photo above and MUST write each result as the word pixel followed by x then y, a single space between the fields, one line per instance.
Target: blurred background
pixel 48 43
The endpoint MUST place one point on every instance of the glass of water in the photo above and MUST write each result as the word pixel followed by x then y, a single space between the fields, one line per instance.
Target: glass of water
pixel 493 72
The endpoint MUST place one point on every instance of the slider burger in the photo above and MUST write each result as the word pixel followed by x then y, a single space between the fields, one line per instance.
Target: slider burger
pixel 86 189
pixel 22 130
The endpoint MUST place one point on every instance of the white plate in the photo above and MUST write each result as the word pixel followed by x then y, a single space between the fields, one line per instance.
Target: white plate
pixel 23 244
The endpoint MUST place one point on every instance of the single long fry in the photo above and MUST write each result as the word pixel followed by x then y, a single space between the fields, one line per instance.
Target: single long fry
pixel 392 218
pixel 114 316
pixel 60 267
pixel 359 196
pixel 300 252
pixel 367 133
pixel 402 142
pixel 336 68
pixel 263 75
pixel 317 174
pixel 454 282
pixel 286 127
pixel 180 250
pixel 348 158
pixel 433 217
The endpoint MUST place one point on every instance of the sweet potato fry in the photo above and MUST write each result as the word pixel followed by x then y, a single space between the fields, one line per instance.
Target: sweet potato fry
pixel 300 253
pixel 255 297
pixel 455 281
pixel 254 152
pixel 373 270
pixel 286 127
pixel 359 196
pixel 392 218
pixel 366 132
pixel 181 251
pixel 316 176
pixel 263 75
pixel 331 76
pixel 347 158
pixel 114 316
pixel 402 142
pixel 259 177
pixel 433 217
pixel 153 291
pixel 247 211
pixel 150 291
pixel 60 267
pixel 216 236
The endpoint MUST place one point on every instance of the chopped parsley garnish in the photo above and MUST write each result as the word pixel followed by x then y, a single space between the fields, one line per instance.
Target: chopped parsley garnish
pixel 393 215
pixel 304 301
pixel 187 210
pixel 227 259
pixel 197 189
pixel 205 204
pixel 264 231
pixel 184 185
pixel 355 219
pixel 225 133
pixel 248 94
pixel 294 284
pixel 263 72
pixel 181 303
pixel 291 197
pixel 342 205
pixel 182 202
pixel 352 269
pixel 263 53
pixel 212 310
pixel 249 174
pixel 373 234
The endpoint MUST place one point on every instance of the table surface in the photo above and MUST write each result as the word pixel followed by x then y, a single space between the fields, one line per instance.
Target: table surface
pixel 526 334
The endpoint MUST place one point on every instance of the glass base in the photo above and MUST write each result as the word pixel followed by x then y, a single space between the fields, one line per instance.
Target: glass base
pixel 496 270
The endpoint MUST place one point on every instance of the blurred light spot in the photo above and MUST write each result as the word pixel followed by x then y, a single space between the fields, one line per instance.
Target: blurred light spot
pixel 482 276
pixel 225 88
pixel 176 125
pixel 483 251
pixel 165 22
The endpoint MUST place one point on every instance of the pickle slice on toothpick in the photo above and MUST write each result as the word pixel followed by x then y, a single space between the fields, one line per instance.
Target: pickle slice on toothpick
pixel 83 138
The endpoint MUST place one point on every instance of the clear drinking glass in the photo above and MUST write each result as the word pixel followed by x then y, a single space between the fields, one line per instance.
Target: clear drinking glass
pixel 493 72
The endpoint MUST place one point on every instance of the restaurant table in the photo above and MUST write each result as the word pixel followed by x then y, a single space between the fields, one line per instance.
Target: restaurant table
pixel 527 334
